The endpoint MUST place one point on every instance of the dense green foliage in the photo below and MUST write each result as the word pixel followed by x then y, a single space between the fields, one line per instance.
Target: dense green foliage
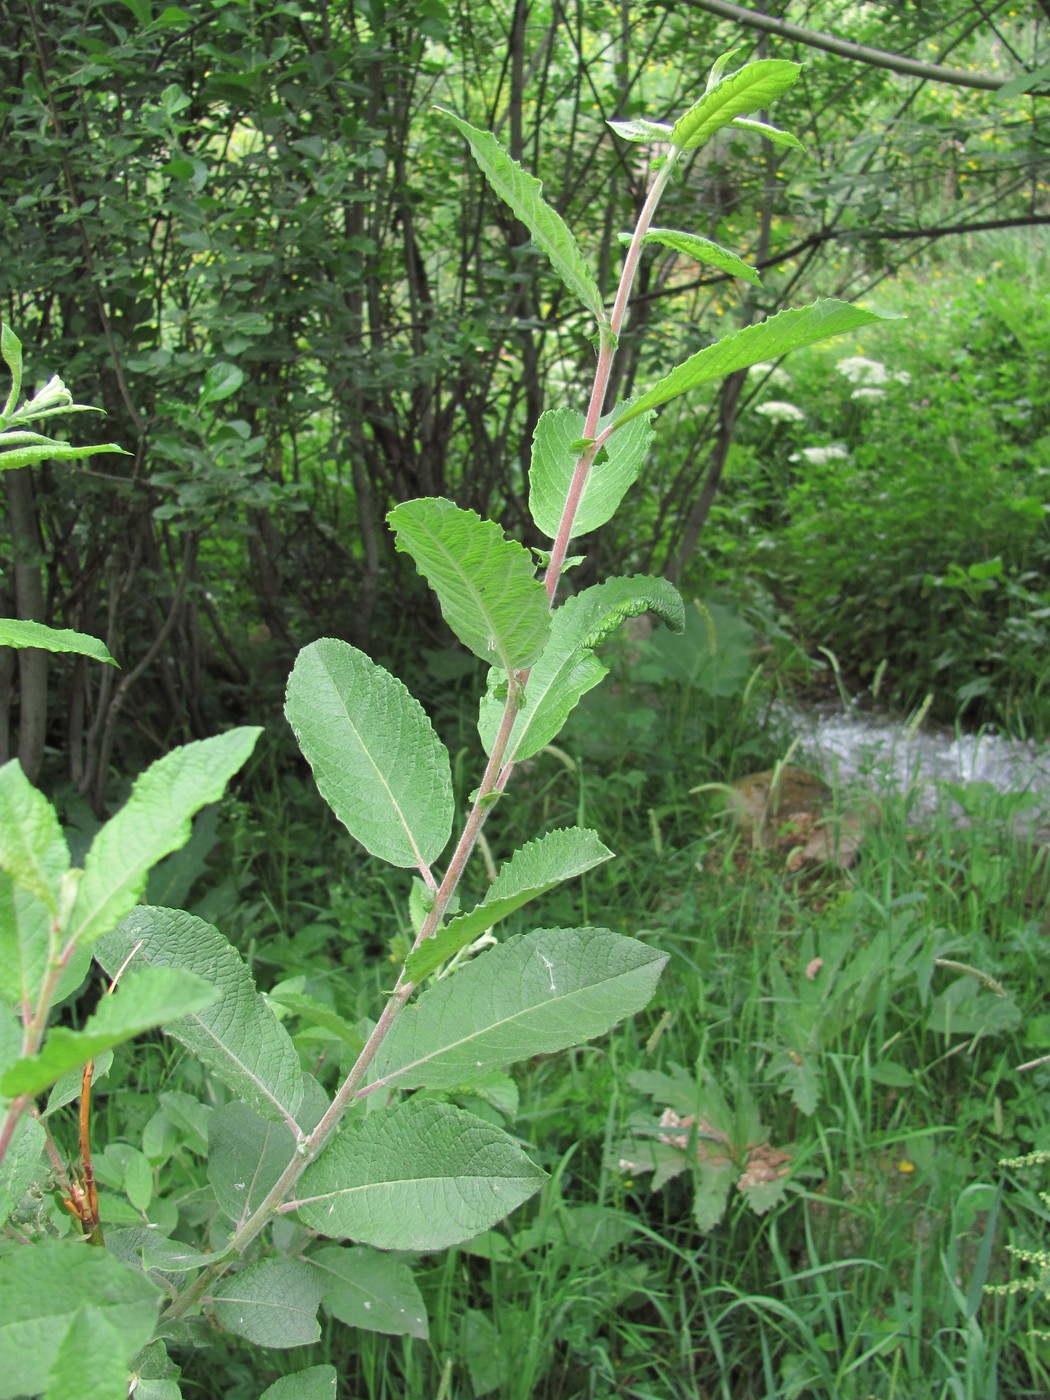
pixel 241 229
pixel 253 231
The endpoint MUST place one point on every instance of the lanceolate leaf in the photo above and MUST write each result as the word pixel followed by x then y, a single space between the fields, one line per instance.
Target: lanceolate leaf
pixel 272 1303
pixel 749 88
pixel 238 1037
pixel 419 1175
pixel 638 129
pixel 364 1288
pixel 704 251
pixel 788 330
pixel 13 457
pixel 375 757
pixel 148 998
pixel 531 871
pixel 35 634
pixel 523 193
pixel 486 584
pixel 154 821
pixel 33 850
pixel 568 667
pixel 535 994
pixel 771 133
pixel 554 461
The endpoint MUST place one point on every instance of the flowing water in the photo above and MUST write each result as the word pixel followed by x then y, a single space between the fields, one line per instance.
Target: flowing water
pixel 873 751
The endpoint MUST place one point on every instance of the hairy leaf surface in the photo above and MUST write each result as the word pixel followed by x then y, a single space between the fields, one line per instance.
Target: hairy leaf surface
pixel 238 1037
pixel 419 1175
pixel 535 994
pixel 486 584
pixel 524 194
pixel 315 1383
pixel 554 458
pixel 703 250
pixel 35 634
pixel 768 340
pixel 375 756
pixel 532 870
pixel 41 1289
pixel 147 998
pixel 568 667
pixel 365 1288
pixel 33 851
pixel 749 88
pixel 154 821
pixel 273 1303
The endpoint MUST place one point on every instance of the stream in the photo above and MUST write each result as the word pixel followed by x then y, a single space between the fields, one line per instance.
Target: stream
pixel 852 747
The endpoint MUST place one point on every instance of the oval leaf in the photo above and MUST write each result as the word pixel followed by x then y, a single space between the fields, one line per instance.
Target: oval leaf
pixel 375 756
pixel 315 1383
pixel 420 1175
pixel 364 1288
pixel 535 994
pixel 555 450
pixel 568 667
pixel 486 584
pixel 273 1303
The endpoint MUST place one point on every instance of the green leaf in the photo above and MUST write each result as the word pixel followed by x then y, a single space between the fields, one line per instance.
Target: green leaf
pixel 315 1383
pixel 535 994
pixel 14 457
pixel 523 193
pixel 532 870
pixel 21 1165
pixel 150 997
pixel 719 66
pixel 375 756
pixel 41 1289
pixel 568 667
pixel 1039 79
pixel 704 251
pixel 26 932
pixel 555 450
pixel 238 1037
pixel 220 382
pixel 370 1290
pixel 768 340
pixel 272 1303
pixel 154 821
pixel 35 634
pixel 771 133
pixel 486 584
pixel 91 1362
pixel 33 851
pixel 246 1155
pixel 11 350
pixel 749 88
pixel 419 1175
pixel 638 129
